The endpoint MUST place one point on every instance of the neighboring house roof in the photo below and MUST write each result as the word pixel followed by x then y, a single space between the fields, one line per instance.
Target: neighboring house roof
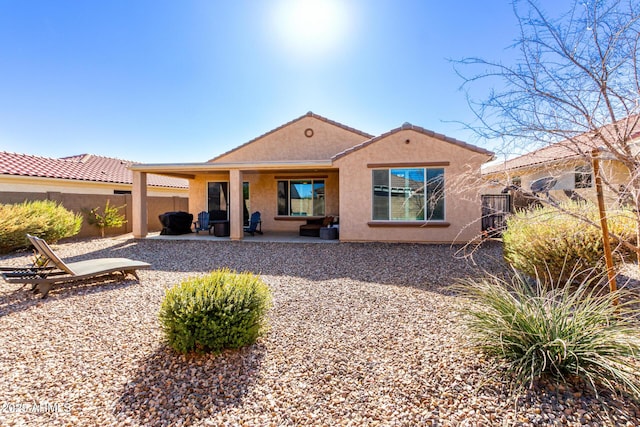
pixel 409 126
pixel 309 114
pixel 580 146
pixel 552 153
pixel 83 167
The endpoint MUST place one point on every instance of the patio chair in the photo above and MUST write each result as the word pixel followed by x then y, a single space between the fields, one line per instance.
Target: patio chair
pixel 54 270
pixel 255 224
pixel 203 222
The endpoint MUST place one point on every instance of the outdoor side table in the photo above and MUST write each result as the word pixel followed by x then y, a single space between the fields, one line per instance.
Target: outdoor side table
pixel 328 233
pixel 220 228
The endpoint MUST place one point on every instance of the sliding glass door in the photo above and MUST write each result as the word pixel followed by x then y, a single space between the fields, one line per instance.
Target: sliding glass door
pixel 218 201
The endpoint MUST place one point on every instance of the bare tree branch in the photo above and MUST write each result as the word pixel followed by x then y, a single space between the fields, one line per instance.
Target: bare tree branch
pixel 576 81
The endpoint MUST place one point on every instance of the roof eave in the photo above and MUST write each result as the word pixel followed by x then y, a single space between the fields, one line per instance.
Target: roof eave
pixel 45 179
pixel 164 168
pixel 543 163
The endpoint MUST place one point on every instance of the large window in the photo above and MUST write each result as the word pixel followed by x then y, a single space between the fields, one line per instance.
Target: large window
pixel 301 197
pixel 414 194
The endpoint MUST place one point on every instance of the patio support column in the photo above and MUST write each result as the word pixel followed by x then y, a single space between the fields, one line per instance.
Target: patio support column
pixel 235 201
pixel 139 202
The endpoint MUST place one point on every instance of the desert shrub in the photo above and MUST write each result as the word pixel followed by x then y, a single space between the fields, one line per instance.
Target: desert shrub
pixel 551 244
pixel 109 217
pixel 46 219
pixel 223 309
pixel 562 332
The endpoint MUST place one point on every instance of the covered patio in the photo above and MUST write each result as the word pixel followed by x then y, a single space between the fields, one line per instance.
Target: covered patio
pixel 236 190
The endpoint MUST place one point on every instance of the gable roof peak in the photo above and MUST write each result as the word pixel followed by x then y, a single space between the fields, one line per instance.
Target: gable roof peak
pixel 86 158
pixel 309 114
pixel 419 129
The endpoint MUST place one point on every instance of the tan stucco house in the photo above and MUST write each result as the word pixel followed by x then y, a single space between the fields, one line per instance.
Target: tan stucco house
pixel 568 165
pixel 407 185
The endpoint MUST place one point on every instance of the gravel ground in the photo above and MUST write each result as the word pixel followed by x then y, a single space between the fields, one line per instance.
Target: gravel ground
pixel 361 334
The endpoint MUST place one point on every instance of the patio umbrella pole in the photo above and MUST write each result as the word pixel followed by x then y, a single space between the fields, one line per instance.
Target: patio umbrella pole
pixel 603 222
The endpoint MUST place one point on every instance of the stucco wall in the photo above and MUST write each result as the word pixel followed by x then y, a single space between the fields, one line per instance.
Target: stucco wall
pixel 462 195
pixel 290 143
pixel 263 195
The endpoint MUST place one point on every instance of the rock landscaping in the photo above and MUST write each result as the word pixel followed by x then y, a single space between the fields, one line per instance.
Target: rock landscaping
pixel 360 335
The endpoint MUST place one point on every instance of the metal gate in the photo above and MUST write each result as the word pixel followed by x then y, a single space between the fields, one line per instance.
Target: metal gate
pixel 495 209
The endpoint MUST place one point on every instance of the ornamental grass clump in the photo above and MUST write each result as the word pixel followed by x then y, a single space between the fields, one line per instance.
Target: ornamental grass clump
pixel 221 310
pixel 556 245
pixel 562 332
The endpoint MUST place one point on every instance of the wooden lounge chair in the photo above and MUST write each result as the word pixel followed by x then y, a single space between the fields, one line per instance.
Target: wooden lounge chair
pixel 49 269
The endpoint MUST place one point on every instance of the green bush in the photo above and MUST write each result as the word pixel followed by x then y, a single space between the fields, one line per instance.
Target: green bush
pixel 223 309
pixel 551 244
pixel 46 219
pixel 109 217
pixel 561 332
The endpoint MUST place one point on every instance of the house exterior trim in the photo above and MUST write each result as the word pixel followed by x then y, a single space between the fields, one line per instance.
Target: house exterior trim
pixel 408 165
pixel 409 224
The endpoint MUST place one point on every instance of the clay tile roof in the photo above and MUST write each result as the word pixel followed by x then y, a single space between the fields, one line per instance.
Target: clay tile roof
pixel 309 114
pixel 580 146
pixel 555 152
pixel 83 167
pixel 409 126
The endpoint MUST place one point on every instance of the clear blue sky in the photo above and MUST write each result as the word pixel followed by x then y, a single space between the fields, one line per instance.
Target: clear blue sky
pixel 159 81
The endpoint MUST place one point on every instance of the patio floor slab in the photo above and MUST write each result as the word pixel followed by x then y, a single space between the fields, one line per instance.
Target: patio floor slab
pixel 267 237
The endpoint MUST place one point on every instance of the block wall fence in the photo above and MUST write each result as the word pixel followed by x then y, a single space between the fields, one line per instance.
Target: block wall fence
pixel 77 202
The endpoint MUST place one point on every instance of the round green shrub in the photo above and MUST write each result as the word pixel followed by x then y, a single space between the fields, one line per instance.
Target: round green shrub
pixel 46 219
pixel 554 246
pixel 221 310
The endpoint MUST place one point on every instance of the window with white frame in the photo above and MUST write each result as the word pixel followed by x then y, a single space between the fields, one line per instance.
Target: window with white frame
pixel 408 194
pixel 301 197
